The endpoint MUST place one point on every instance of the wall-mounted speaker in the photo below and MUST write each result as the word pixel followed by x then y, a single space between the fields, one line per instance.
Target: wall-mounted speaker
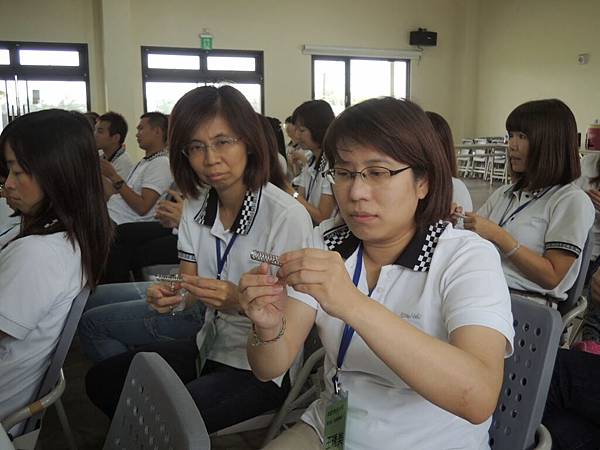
pixel 423 38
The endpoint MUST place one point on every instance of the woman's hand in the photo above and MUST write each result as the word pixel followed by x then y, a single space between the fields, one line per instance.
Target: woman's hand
pixel 262 297
pixel 218 294
pixel 168 212
pixel 162 298
pixel 322 275
pixel 456 213
pixel 483 227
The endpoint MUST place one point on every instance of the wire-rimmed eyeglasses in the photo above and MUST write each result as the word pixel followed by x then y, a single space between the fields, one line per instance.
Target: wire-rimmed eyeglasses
pixel 373 176
pixel 221 144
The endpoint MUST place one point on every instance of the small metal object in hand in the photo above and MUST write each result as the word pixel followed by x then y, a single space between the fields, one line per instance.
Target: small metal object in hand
pixel 174 281
pixel 265 257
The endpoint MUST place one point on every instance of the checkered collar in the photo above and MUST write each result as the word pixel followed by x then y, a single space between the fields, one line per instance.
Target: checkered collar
pixel 416 256
pixel 244 219
pixel 156 155
pixel 319 165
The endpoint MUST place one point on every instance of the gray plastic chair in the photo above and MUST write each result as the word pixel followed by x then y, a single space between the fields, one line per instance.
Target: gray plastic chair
pixel 576 304
pixel 52 387
pixel 155 410
pixel 527 375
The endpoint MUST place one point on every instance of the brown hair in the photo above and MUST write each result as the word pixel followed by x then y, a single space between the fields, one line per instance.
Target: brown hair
pixel 401 130
pixel 316 115
pixel 445 135
pixel 202 104
pixel 553 157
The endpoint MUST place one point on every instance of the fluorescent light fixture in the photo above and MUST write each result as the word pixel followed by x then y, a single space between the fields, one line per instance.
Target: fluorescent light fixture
pixel 329 50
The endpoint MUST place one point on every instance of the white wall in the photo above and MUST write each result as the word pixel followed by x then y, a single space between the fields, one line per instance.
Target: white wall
pixel 279 28
pixel 528 50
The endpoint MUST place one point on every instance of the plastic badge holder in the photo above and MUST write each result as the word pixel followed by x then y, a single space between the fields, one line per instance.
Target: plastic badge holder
pixel 174 280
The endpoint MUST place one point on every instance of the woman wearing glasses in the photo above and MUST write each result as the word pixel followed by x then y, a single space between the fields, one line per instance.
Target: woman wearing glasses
pixel 221 162
pixel 414 315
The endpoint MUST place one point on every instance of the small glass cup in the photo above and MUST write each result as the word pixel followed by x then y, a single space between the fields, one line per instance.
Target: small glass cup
pixel 173 282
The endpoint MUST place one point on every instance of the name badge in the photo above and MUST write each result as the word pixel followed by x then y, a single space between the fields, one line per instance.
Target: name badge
pixel 335 422
pixel 204 341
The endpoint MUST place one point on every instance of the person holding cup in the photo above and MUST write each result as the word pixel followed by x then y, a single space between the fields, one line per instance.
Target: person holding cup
pixel 222 162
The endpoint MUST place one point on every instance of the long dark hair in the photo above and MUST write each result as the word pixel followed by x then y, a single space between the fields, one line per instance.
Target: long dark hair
pixel 401 130
pixel 57 149
pixel 445 134
pixel 277 177
pixel 202 104
pixel 553 157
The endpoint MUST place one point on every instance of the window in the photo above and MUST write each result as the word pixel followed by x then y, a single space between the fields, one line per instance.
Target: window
pixel 343 81
pixel 168 73
pixel 36 76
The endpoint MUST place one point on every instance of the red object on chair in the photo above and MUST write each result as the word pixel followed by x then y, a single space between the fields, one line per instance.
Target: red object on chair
pixel 588 347
pixel 592 138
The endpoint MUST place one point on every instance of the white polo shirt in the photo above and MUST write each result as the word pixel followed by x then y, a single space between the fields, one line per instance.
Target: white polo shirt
pixel 460 195
pixel 270 220
pixel 589 170
pixel 121 162
pixel 9 225
pixel 558 217
pixel 313 180
pixel 39 279
pixel 444 279
pixel 151 172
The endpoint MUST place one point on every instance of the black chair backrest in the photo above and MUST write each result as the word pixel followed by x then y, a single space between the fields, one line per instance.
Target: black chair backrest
pixel 60 353
pixel 527 375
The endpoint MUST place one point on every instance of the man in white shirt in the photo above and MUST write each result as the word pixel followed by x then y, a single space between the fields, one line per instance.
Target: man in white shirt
pixel 136 196
pixel 110 133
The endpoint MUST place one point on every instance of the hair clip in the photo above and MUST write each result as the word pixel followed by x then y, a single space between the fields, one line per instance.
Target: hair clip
pixel 265 257
pixel 49 224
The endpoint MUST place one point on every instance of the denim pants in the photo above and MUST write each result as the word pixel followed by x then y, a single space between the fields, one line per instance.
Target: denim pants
pixel 591 322
pixel 118 319
pixel 572 413
pixel 224 395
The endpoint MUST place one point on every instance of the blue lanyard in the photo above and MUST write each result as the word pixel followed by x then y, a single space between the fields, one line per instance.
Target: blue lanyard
pixel 348 330
pixel 222 260
pixel 503 221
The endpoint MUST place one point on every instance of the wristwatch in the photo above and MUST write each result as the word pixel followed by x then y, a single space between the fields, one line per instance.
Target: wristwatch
pixel 117 185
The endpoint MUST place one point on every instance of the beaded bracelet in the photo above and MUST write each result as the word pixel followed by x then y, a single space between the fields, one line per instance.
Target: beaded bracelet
pixel 257 340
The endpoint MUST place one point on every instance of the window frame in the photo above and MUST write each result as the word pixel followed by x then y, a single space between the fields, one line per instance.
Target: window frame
pixel 47 73
pixel 347 60
pixel 203 75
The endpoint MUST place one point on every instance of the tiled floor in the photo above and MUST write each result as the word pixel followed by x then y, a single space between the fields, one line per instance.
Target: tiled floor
pixel 90 426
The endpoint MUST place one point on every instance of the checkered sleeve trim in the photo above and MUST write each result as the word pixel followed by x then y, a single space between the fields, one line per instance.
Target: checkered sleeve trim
pixel 555 245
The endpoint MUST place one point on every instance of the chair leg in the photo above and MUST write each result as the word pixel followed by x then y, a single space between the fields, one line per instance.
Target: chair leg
pixel 64 422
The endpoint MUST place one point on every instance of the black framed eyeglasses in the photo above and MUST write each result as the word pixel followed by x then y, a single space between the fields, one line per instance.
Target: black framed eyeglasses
pixel 373 176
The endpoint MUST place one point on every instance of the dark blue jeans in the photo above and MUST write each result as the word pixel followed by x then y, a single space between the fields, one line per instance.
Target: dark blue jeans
pixel 224 395
pixel 117 319
pixel 572 411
